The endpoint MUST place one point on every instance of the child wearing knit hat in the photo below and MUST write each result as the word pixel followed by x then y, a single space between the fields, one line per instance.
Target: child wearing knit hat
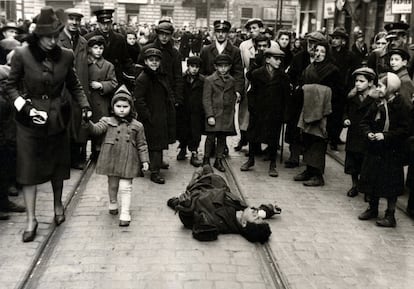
pixel 124 149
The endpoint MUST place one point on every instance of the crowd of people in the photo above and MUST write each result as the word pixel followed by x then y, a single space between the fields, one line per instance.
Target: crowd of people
pixel 124 89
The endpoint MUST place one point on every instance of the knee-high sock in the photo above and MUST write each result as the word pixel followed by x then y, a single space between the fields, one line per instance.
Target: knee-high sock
pixel 125 190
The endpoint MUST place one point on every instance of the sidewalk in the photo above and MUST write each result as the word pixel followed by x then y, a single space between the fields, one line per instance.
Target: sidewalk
pixel 16 257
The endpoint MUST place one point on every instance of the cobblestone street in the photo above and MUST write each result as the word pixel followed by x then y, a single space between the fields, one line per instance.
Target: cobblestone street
pixel 317 241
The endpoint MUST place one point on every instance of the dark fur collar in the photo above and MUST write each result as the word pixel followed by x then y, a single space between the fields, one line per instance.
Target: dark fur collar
pixel 40 55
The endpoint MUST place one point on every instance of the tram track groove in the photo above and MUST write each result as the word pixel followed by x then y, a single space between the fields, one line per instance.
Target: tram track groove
pixel 268 258
pixel 40 260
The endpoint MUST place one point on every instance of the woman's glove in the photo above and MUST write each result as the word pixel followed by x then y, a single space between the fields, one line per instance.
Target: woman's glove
pixel 38 116
pixel 145 166
pixel 211 121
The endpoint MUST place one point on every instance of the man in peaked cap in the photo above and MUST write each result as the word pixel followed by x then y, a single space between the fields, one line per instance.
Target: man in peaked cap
pixel 248 51
pixel 347 62
pixel 221 45
pixel 116 51
pixel 397 37
pixel 70 38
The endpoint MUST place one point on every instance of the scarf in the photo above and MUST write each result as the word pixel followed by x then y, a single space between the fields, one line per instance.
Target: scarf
pixel 316 72
pixel 384 102
pixel 40 55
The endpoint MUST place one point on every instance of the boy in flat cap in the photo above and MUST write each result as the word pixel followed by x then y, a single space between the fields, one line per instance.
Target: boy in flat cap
pixel 358 102
pixel 269 90
pixel 102 84
pixel 155 105
pixel 219 99
pixel 70 38
pixel 115 50
pixel 190 116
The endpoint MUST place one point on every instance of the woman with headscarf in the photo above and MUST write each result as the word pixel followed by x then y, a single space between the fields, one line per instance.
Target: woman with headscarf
pixel 42 70
pixel 320 82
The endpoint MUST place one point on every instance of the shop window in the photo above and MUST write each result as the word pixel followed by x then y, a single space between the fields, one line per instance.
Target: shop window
pixel 246 12
pixel 167 11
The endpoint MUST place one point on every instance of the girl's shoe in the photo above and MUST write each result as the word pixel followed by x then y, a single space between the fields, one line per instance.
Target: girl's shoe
pixel 124 223
pixel 29 236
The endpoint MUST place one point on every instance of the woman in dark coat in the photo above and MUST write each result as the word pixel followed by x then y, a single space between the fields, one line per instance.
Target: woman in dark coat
pixel 386 127
pixel 321 75
pixel 266 99
pixel 156 110
pixel 45 70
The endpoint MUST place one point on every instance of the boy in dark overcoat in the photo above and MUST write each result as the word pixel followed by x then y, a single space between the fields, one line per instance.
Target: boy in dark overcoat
pixel 219 99
pixel 190 115
pixel 269 90
pixel 155 105
pixel 102 84
pixel 359 100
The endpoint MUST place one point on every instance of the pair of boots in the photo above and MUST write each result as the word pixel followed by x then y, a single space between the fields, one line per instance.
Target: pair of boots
pixel 250 163
pixel 372 213
pixel 310 178
pixel 124 192
pixel 194 161
pixel 218 163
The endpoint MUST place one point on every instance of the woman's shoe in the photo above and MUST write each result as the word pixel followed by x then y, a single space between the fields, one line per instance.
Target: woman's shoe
pixel 123 223
pixel 353 192
pixel 156 178
pixel 59 219
pixel 29 236
pixel 113 211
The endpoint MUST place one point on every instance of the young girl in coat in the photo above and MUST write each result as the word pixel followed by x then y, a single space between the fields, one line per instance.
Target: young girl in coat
pixel 385 127
pixel 359 100
pixel 123 150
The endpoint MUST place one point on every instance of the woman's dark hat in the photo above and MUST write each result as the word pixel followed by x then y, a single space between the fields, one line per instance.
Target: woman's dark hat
pixel 104 15
pixel 340 32
pixel 152 52
pixel 47 22
pixel 222 59
pixel 404 53
pixel 96 40
pixel 366 71
pixel 194 60
pixel 253 21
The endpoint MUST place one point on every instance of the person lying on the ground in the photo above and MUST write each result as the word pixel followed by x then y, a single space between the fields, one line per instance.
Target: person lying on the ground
pixel 209 208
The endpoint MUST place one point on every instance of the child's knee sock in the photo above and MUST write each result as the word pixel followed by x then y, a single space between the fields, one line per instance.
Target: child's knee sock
pixel 125 190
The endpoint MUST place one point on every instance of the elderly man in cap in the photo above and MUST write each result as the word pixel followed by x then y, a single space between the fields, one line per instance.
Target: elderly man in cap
pixel 248 51
pixel 397 37
pixel 70 38
pixel 116 51
pixel 347 62
pixel 294 104
pixel 222 45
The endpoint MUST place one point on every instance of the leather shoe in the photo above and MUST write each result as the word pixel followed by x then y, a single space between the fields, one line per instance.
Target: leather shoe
pixel 218 164
pixel 123 223
pixel 370 213
pixel 156 178
pixel 113 212
pixel 315 181
pixel 13 191
pixel 247 165
pixel 194 161
pixel 304 176
pixel 78 166
pixel 12 207
pixel 353 192
pixel 59 219
pixel 164 165
pixel 29 236
pixel 272 170
pixel 173 202
pixel 388 220
pixel 181 154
